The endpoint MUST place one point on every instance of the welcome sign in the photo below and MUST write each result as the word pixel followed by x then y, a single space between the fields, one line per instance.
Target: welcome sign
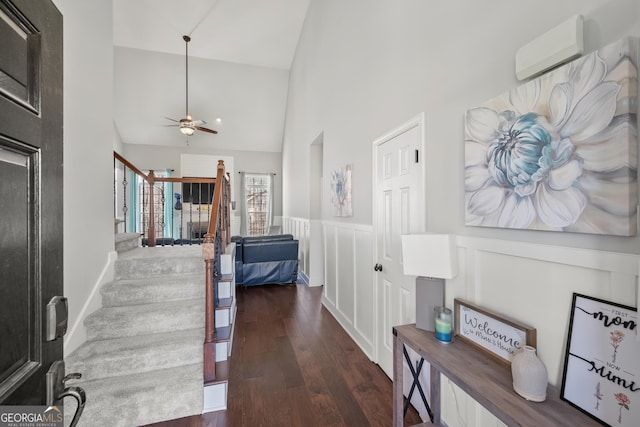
pixel 498 335
pixel 602 364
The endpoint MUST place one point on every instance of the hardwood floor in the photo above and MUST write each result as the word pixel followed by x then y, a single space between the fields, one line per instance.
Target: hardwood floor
pixel 293 365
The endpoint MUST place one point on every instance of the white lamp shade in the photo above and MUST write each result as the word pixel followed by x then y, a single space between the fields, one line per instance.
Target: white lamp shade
pixel 187 130
pixel 430 255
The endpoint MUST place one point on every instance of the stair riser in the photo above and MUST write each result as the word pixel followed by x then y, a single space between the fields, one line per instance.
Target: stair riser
pixel 223 318
pixel 222 351
pixel 215 397
pixel 150 267
pixel 151 293
pixel 127 245
pixel 161 357
pixel 142 324
pixel 224 289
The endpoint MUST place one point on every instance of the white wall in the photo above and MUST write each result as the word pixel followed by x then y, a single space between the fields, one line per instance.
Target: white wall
pixel 365 66
pixel 88 164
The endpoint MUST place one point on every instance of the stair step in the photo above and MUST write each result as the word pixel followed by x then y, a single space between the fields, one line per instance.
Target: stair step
pixel 141 398
pixel 159 261
pixel 152 290
pixel 126 321
pixel 129 355
pixel 127 241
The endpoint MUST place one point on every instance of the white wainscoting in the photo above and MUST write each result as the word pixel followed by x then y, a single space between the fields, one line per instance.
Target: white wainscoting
pixel 533 284
pixel 349 286
pixel 299 227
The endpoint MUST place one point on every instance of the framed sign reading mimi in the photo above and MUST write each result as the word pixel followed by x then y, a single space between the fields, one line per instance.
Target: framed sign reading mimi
pixel 499 336
pixel 602 364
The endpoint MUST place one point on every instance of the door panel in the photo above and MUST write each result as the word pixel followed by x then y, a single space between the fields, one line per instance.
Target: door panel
pixel 30 194
pixel 399 186
pixel 18 228
pixel 399 209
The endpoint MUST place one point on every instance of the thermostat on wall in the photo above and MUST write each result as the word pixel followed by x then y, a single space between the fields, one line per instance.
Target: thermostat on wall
pixel 554 47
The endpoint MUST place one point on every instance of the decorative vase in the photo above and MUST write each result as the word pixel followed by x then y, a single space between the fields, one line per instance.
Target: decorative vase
pixel 443 324
pixel 178 205
pixel 529 375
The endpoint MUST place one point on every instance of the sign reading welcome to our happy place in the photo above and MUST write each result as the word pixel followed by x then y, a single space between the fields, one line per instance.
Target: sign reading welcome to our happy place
pixel 498 335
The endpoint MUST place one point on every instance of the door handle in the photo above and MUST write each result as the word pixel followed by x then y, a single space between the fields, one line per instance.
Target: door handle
pixel 56 390
pixel 78 394
pixel 377 267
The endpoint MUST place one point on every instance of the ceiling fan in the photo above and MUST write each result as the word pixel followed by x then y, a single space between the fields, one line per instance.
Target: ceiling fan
pixel 187 125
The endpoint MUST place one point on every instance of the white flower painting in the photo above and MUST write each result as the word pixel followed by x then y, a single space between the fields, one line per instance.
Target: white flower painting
pixel 560 152
pixel 341 191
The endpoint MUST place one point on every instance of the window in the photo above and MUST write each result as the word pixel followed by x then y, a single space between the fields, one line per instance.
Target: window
pixel 257 189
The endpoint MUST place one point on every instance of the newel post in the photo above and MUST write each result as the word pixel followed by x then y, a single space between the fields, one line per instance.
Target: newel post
pixel 151 179
pixel 209 349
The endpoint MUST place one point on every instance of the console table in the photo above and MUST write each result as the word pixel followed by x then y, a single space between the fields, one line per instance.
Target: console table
pixel 483 377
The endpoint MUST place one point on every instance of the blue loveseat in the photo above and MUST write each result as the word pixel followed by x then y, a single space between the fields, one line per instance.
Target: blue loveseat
pixel 266 259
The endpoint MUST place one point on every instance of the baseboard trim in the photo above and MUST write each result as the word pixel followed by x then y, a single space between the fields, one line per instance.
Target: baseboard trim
pixel 302 276
pixel 77 334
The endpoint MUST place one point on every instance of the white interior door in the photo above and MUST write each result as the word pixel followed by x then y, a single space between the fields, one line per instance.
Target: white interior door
pixel 399 209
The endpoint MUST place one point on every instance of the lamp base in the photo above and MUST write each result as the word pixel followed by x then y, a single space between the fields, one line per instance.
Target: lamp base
pixel 429 295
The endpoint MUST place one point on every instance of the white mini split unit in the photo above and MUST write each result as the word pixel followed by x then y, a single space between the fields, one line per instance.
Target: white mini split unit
pixel 556 46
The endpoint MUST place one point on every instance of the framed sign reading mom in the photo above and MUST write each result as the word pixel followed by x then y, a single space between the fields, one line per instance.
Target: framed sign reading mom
pixel 602 363
pixel 498 335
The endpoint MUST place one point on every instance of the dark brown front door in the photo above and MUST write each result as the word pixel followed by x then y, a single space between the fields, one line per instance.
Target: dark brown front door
pixel 30 195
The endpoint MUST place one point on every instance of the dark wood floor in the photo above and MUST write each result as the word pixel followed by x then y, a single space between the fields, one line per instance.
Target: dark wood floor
pixel 293 365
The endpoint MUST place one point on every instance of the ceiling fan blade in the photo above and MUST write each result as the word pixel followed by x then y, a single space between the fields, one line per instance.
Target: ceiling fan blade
pixel 170 126
pixel 206 129
pixel 198 122
pixel 173 120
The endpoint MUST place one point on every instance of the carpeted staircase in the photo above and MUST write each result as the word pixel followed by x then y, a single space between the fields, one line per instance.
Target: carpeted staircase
pixel 142 361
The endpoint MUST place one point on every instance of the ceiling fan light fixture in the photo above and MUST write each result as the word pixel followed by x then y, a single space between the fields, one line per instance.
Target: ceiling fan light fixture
pixel 187 130
pixel 188 126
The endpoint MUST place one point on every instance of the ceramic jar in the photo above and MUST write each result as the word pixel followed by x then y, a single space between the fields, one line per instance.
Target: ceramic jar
pixel 529 375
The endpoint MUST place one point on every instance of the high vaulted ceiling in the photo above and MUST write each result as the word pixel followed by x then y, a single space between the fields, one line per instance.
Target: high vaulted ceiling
pixel 239 59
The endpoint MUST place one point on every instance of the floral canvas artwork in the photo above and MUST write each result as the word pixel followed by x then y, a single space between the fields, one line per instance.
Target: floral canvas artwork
pixel 341 191
pixel 559 153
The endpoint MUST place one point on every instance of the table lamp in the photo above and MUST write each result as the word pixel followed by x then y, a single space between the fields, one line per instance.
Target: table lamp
pixel 432 258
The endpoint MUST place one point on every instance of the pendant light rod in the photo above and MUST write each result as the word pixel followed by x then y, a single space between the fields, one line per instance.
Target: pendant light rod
pixel 186 39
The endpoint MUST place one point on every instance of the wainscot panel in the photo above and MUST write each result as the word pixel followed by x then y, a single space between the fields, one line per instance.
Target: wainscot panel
pixel 299 228
pixel 348 292
pixel 533 284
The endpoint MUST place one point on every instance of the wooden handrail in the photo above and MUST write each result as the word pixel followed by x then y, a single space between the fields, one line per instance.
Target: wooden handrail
pixel 212 246
pixel 128 164
pixel 187 180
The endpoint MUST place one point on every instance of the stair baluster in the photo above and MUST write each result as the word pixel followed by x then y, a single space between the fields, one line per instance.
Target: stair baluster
pixel 124 196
